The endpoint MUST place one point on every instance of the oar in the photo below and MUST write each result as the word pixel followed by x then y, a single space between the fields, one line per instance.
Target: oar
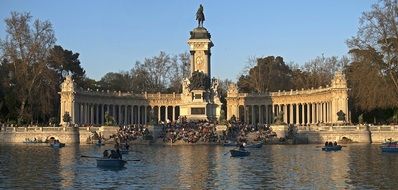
pixel 84 156
pixel 136 151
pixel 136 160
pixel 227 152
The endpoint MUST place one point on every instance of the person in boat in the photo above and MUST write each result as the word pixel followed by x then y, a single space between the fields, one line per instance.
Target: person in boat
pixel 115 155
pixel 330 143
pixel 117 146
pixel 335 143
pixel 106 154
pixel 242 146
pixel 126 146
pixel 119 154
pixel 326 143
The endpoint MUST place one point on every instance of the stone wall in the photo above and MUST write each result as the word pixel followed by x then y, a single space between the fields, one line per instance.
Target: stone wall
pixel 20 134
pixel 320 137
pixel 359 133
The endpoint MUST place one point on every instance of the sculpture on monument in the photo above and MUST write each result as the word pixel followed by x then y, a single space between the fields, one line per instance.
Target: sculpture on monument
pixel 200 16
pixel 340 116
pixel 279 118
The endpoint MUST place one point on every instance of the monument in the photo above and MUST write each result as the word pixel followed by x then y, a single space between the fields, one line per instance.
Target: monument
pixel 200 100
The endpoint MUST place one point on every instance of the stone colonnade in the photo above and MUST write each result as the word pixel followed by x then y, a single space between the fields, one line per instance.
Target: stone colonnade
pixel 90 107
pixel 295 113
pixel 301 107
pixel 123 114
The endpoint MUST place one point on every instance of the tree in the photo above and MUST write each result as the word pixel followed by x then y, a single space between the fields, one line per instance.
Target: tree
pixel 270 74
pixel 368 84
pixel 116 81
pixel 159 70
pixel 378 37
pixel 26 48
pixel 65 62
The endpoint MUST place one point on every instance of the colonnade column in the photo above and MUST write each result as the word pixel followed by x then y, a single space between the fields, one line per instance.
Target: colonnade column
pixel 284 113
pixel 313 119
pixel 139 114
pixel 291 114
pixel 253 120
pixel 173 116
pixel 261 114
pixel 297 114
pixel 265 112
pixel 159 119
pixel 308 113
pixel 145 115
pixel 302 114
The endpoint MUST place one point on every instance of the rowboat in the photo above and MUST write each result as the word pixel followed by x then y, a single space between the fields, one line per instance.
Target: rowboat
pixel 110 163
pixel 239 153
pixel 389 149
pixel 57 144
pixel 332 148
pixel 391 146
pixel 257 145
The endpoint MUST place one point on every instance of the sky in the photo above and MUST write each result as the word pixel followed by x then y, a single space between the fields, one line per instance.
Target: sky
pixel 111 36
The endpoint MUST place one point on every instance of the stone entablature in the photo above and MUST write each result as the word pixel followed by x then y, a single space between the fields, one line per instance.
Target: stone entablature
pixel 306 106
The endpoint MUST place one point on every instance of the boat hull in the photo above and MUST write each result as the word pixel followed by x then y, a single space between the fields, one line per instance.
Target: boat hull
pixel 110 163
pixel 239 153
pixel 332 148
pixel 57 145
pixel 389 149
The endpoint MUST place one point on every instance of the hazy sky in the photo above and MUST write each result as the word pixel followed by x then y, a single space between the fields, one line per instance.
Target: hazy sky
pixel 112 35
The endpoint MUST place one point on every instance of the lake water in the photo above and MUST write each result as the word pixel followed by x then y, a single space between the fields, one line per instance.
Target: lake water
pixel 357 166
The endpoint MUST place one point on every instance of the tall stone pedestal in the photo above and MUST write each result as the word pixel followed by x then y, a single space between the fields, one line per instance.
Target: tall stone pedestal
pixel 280 130
pixel 107 131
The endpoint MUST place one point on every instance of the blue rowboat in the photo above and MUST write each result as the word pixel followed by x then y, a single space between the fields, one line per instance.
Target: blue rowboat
pixel 110 163
pixel 389 149
pixel 390 146
pixel 239 153
pixel 332 148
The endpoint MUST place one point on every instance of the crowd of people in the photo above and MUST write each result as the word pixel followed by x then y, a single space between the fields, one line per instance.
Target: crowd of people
pixel 194 132
pixel 203 131
pixel 189 132
pixel 131 133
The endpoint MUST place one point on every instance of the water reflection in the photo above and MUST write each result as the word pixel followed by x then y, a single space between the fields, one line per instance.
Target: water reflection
pixel 199 167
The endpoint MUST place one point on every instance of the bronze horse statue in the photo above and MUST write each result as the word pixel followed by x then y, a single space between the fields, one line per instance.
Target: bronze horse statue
pixel 200 16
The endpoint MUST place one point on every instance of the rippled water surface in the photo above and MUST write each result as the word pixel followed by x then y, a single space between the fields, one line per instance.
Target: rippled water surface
pixel 357 166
